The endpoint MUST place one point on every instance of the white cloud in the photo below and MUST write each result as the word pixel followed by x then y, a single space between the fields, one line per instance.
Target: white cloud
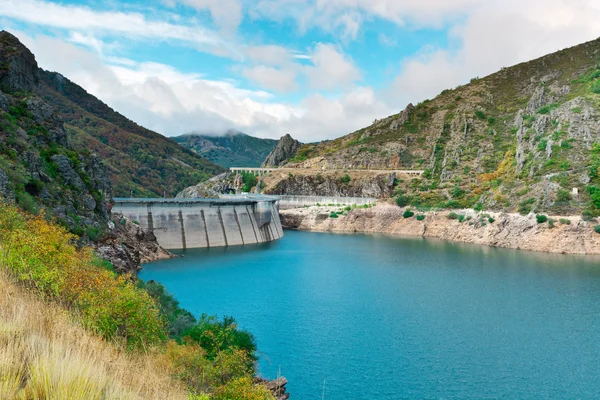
pixel 495 35
pixel 331 69
pixel 279 80
pixel 130 24
pixel 227 14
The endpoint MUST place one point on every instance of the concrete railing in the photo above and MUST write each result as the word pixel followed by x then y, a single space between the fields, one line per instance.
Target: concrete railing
pixel 196 223
pixel 291 201
pixel 263 171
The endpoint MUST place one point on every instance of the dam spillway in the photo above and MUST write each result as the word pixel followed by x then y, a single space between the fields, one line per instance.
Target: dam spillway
pixel 199 223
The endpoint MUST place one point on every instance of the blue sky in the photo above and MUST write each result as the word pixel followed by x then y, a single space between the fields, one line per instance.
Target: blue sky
pixel 316 69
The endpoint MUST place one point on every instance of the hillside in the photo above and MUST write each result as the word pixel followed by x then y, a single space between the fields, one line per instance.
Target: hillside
pixel 234 149
pixel 140 162
pixel 526 138
pixel 39 168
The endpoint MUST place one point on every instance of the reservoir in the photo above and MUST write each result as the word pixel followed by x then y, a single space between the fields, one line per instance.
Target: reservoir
pixel 380 317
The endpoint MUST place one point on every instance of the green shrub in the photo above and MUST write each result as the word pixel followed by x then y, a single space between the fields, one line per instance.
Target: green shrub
pixel 491 220
pixel 408 214
pixel 546 109
pixel 565 221
pixel 563 195
pixel 461 218
pixel 348 208
pixel 402 200
pixel 93 233
pixel 333 215
pixel 596 87
pixel 420 217
pixel 551 222
pixel 480 114
pixel 491 120
pixel 526 206
pixel 453 215
pixel 27 203
pixel 541 218
pixel 345 179
pixel 597 228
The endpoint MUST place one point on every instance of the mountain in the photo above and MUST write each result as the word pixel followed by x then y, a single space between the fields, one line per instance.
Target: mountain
pixel 140 162
pixel 526 139
pixel 234 149
pixel 40 169
pixel 285 148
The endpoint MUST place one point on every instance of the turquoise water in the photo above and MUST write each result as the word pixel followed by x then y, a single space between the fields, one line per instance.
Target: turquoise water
pixel 378 317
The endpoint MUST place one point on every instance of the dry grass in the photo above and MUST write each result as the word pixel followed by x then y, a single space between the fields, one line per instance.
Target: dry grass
pixel 46 355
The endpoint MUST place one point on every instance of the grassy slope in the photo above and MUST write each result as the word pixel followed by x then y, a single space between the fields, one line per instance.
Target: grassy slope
pixel 231 150
pixel 521 135
pixel 139 160
pixel 46 354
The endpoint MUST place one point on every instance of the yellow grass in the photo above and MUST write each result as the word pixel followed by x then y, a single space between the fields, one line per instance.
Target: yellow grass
pixel 46 355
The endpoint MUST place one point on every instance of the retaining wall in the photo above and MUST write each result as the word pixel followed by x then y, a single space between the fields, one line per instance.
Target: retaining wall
pixel 291 201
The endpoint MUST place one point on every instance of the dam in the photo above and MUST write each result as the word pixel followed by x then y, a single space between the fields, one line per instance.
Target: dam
pixel 180 223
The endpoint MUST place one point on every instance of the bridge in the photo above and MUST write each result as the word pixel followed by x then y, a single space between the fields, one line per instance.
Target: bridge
pixel 263 171
pixel 200 223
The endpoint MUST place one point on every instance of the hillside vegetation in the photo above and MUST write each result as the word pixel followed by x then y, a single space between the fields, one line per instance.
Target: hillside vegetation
pixel 518 140
pixel 140 162
pixel 39 168
pixel 234 149
pixel 109 328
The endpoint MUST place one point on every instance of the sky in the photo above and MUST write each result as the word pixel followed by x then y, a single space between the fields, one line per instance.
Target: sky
pixel 316 69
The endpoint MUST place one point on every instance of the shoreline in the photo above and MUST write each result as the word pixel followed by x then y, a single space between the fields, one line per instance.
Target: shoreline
pixel 507 230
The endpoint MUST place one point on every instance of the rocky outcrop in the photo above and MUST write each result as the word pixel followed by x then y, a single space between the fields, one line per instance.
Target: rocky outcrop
pixel 18 68
pixel 285 149
pixel 508 230
pixel 127 246
pixel 276 387
pixel 330 183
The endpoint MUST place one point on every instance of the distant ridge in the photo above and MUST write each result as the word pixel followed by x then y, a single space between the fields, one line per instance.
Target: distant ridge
pixel 229 150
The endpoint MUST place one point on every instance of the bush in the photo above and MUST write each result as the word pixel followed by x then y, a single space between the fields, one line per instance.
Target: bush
pixel 41 256
pixel 597 228
pixel 541 218
pixel 565 221
pixel 215 335
pixel 348 208
pixel 345 179
pixel 420 217
pixel 333 215
pixel 453 215
pixel 526 206
pixel 596 87
pixel 563 195
pixel 551 222
pixel 408 214
pixel 491 220
pixel 480 114
pixel 249 180
pixel 461 218
pixel 402 200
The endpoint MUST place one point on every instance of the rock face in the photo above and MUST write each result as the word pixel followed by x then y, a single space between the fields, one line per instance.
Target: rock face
pixel 285 149
pixel 329 183
pixel 18 68
pixel 127 246
pixel 507 229
pixel 39 167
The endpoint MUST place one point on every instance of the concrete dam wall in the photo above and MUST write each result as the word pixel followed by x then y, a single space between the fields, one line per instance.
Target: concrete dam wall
pixel 196 223
pixel 291 201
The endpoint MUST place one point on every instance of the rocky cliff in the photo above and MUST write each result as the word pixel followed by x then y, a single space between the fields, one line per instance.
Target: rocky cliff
pixel 566 234
pixel 39 169
pixel 519 140
pixel 286 148
pixel 42 172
